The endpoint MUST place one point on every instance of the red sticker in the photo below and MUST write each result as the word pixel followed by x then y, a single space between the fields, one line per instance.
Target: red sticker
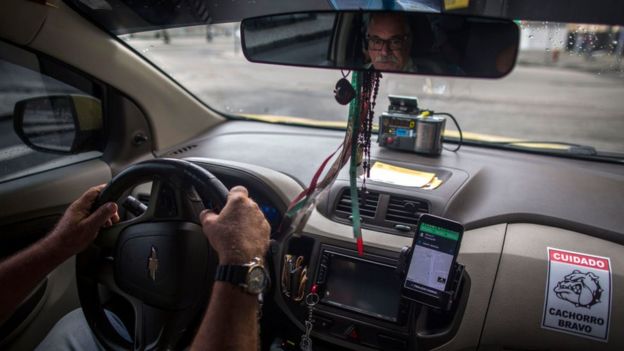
pixel 579 259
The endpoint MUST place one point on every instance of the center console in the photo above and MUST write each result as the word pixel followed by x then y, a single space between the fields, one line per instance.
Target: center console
pixel 360 299
pixel 360 303
pixel 344 281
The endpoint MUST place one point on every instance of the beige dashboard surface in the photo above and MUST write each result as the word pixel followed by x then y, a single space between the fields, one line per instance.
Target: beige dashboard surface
pixel 515 314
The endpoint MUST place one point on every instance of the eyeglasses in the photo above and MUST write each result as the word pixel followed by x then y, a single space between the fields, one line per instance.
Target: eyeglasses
pixel 395 43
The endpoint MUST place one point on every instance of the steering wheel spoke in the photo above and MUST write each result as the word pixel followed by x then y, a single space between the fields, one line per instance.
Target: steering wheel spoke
pixel 107 239
pixel 158 327
pixel 173 199
pixel 149 323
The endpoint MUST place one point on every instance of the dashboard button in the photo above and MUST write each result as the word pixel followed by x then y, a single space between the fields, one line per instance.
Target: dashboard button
pixel 322 273
pixel 322 323
pixel 352 333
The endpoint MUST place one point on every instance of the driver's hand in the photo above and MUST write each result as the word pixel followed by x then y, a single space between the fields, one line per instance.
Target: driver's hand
pixel 240 232
pixel 78 226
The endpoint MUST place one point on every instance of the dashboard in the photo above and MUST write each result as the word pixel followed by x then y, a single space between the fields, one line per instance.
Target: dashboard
pixel 515 206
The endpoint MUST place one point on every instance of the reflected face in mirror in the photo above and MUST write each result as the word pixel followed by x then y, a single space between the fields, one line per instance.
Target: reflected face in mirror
pixel 388 42
pixel 405 42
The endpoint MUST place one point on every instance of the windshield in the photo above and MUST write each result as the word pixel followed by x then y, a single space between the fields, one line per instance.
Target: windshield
pixel 567 86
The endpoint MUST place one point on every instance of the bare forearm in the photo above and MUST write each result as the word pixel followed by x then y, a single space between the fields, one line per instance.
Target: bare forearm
pixel 20 273
pixel 230 324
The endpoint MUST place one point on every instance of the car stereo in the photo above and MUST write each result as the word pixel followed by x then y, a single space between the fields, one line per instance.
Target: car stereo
pixel 360 285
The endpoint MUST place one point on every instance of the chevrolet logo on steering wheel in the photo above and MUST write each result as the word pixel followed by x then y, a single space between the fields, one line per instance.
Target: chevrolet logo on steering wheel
pixel 152 263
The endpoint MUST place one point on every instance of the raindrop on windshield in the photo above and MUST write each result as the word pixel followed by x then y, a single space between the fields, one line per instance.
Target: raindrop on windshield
pixel 531 36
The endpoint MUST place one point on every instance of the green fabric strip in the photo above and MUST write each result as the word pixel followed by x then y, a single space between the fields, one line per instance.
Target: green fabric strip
pixel 354 123
pixel 296 208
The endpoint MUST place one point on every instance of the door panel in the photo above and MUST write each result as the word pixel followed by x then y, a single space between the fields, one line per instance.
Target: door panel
pixel 29 209
pixel 48 193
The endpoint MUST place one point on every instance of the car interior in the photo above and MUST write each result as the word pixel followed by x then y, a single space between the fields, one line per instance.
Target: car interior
pixel 531 208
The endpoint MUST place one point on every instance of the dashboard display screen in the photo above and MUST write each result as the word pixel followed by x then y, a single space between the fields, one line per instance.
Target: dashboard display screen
pixel 361 286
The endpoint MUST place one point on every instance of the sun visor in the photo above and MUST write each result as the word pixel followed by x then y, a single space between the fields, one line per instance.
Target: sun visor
pixel 565 11
pixel 398 5
pixel 21 20
pixel 130 16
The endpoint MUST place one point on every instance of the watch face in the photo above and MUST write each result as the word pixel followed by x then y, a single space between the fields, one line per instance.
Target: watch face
pixel 256 280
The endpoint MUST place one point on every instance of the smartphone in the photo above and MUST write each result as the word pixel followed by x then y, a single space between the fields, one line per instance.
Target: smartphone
pixel 432 258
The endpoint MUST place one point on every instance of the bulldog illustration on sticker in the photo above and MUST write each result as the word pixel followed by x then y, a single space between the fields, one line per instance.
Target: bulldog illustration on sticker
pixel 578 294
pixel 581 289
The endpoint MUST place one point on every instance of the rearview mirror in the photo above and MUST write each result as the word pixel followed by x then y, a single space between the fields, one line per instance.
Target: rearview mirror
pixel 405 42
pixel 66 124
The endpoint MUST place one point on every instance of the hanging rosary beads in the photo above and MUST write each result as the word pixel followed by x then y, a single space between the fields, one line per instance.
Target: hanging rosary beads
pixel 370 88
pixel 344 94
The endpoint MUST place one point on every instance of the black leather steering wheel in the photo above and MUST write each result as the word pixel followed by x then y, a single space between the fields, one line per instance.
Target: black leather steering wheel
pixel 160 261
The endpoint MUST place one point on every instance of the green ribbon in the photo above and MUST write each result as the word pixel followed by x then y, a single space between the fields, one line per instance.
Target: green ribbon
pixel 354 123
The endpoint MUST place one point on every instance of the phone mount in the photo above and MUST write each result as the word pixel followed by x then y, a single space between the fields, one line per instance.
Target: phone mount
pixel 443 300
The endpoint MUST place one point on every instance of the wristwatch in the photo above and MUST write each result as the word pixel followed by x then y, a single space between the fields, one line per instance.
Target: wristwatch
pixel 252 277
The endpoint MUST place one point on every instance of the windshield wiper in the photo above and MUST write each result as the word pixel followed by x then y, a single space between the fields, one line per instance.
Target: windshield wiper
pixel 552 146
pixel 560 148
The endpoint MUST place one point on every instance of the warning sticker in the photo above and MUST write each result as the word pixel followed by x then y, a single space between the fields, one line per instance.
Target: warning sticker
pixel 578 294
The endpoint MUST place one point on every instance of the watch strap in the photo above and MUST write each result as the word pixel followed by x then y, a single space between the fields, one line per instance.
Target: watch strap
pixel 234 274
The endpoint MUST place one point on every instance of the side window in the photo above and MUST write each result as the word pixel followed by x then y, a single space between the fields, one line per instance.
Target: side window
pixel 24 75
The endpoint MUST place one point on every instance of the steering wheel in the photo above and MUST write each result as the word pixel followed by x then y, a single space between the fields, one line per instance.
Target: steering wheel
pixel 160 261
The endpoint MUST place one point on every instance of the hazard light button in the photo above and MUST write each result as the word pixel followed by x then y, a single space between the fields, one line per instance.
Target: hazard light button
pixel 352 333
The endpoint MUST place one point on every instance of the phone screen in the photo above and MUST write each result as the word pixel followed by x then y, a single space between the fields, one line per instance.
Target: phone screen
pixel 434 251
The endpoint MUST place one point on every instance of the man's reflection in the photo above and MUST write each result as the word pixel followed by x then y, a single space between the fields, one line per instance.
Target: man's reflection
pixel 388 42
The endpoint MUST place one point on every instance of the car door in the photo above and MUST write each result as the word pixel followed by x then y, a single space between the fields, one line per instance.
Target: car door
pixel 36 186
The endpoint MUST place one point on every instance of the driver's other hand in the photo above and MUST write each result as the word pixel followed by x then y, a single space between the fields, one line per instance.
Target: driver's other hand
pixel 240 232
pixel 78 226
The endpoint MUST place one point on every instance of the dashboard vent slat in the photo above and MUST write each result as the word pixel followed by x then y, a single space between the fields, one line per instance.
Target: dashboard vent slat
pixel 395 214
pixel 182 150
pixel 368 207
pixel 405 210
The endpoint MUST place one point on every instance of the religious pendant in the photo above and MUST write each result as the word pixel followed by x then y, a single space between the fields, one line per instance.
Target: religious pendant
pixel 344 92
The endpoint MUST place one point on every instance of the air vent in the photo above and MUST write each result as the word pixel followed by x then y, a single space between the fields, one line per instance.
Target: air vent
pixel 182 150
pixel 368 204
pixel 405 210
